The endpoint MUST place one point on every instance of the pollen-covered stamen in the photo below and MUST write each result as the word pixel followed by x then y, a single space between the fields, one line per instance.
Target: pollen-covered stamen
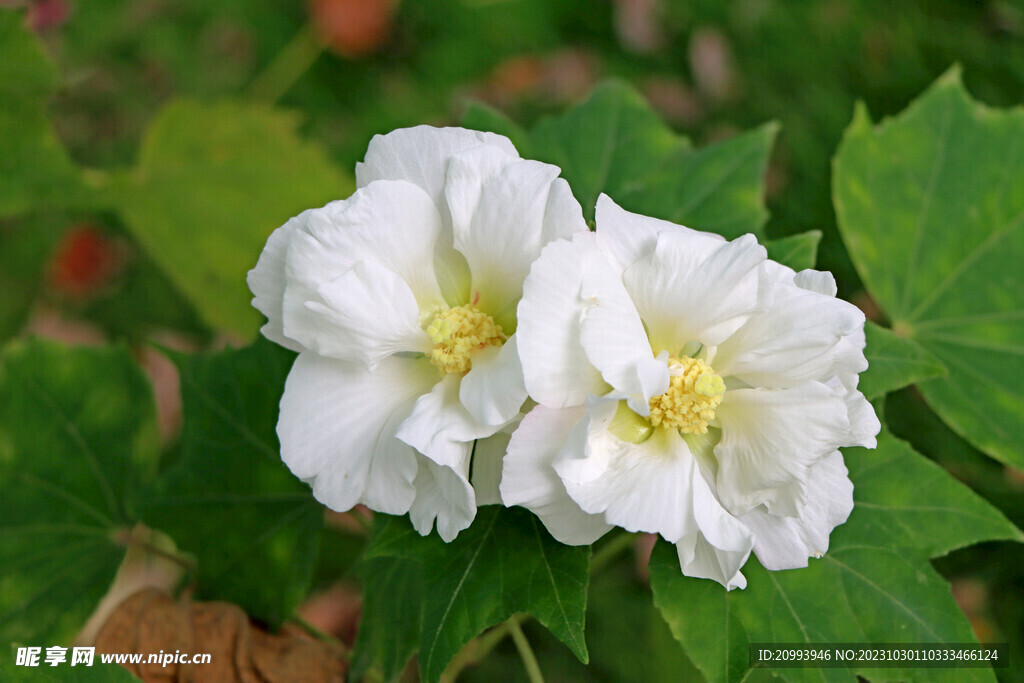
pixel 693 394
pixel 460 332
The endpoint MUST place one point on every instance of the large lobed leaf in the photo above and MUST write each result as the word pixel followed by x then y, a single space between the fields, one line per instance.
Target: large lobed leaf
pixel 875 584
pixel 894 362
pixel 505 563
pixel 229 499
pixel 78 461
pixel 212 182
pixel 78 441
pixel 931 206
pixel 614 143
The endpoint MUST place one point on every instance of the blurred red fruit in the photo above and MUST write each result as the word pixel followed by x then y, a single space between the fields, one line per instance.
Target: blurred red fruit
pixel 45 14
pixel 84 261
pixel 353 27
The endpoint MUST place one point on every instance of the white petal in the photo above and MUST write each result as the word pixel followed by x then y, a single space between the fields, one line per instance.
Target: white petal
pixel 556 372
pixel 769 440
pixel 485 468
pixel 367 314
pixel 655 486
pixel 493 391
pixel 614 338
pixel 787 542
pixel 393 223
pixel 440 428
pixel 506 233
pixel 626 236
pixel 697 557
pixel 444 494
pixel 529 480
pixel 337 427
pixel 467 173
pixel 818 281
pixel 420 156
pixel 798 339
pixel 267 282
pixel 690 288
pixel 864 424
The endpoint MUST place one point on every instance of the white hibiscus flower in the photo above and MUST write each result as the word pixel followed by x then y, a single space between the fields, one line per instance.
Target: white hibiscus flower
pixel 401 301
pixel 689 387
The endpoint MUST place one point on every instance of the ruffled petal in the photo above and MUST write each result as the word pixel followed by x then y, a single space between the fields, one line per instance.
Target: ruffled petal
pixel 443 432
pixel 864 424
pixel 505 231
pixel 392 223
pixel 367 314
pixel 485 468
pixel 267 282
pixel 627 236
pixel 529 480
pixel 440 428
pixel 420 156
pixel 697 557
pixel 337 427
pixel 769 440
pixel 493 391
pixel 691 288
pixel 803 337
pixel 655 486
pixel 614 339
pixel 787 542
pixel 442 494
pixel 556 371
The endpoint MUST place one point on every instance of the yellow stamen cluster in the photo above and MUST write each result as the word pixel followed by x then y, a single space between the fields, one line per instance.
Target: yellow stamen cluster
pixel 693 394
pixel 458 333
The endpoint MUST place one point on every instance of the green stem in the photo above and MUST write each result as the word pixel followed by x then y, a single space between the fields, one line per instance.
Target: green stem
pixel 525 652
pixel 478 648
pixel 287 67
pixel 607 552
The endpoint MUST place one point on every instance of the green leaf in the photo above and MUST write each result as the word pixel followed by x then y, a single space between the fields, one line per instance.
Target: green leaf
pixel 506 562
pixel 931 206
pixel 212 182
pixel 718 188
pixel 799 252
pixel 35 171
pixel 389 629
pixel 479 116
pixel 894 362
pixel 614 143
pixel 79 673
pixel 904 499
pixel 606 143
pixel 25 246
pixel 699 615
pixel 78 442
pixel 875 583
pixel 229 500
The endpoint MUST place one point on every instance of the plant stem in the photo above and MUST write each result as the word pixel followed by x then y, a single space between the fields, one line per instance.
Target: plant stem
pixel 317 633
pixel 287 67
pixel 525 652
pixel 478 648
pixel 607 552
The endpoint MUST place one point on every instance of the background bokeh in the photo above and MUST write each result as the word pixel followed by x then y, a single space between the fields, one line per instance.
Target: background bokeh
pixel 350 69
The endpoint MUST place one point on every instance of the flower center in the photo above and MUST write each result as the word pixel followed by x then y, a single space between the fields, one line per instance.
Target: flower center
pixel 693 394
pixel 458 333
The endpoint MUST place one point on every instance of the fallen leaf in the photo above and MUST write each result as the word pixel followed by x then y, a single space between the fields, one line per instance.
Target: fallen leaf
pixel 152 622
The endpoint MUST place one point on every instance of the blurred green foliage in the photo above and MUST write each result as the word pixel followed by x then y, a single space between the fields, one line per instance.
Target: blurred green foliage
pixel 88 107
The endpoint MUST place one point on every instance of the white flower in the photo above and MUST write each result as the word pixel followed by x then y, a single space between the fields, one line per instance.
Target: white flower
pixel 401 301
pixel 688 387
